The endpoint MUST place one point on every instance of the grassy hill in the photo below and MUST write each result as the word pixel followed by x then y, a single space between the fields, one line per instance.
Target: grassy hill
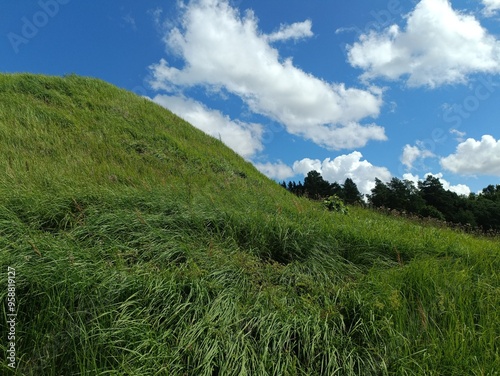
pixel 142 246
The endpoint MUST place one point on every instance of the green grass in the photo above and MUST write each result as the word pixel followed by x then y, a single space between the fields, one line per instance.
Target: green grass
pixel 144 247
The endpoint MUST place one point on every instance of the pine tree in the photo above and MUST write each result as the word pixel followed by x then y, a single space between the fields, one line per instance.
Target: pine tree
pixel 315 186
pixel 350 192
pixel 380 196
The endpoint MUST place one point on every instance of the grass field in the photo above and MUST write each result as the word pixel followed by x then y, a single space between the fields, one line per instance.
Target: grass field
pixel 141 246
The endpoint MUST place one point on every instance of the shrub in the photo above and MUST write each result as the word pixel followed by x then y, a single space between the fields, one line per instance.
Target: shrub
pixel 335 203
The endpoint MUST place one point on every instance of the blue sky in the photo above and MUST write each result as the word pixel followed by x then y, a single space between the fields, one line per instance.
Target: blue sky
pixel 358 88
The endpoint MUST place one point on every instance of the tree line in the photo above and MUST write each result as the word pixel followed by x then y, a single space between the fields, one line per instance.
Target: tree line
pixel 317 188
pixel 426 199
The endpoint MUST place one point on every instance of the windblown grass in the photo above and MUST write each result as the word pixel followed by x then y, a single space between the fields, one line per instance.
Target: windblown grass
pixel 144 247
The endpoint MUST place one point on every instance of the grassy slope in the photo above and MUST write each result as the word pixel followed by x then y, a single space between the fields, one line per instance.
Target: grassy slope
pixel 144 247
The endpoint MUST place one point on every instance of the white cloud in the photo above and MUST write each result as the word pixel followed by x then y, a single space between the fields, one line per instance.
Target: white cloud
pixel 460 189
pixel 439 45
pixel 298 30
pixel 278 170
pixel 305 165
pixel 244 138
pixel 475 157
pixel 223 50
pixel 491 7
pixel 412 153
pixel 362 172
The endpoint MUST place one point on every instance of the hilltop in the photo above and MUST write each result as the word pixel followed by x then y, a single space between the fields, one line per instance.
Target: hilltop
pixel 142 246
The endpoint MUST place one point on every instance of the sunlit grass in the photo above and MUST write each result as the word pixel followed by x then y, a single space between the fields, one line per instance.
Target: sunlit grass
pixel 144 247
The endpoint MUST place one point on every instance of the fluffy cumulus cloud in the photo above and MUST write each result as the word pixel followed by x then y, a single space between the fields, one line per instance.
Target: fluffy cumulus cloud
pixel 280 170
pixel 438 45
pixel 414 153
pixel 222 49
pixel 244 138
pixel 491 7
pixel 410 155
pixel 474 157
pixel 362 172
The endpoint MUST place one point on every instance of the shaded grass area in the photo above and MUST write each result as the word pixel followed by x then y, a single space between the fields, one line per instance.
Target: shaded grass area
pixel 132 286
pixel 144 247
